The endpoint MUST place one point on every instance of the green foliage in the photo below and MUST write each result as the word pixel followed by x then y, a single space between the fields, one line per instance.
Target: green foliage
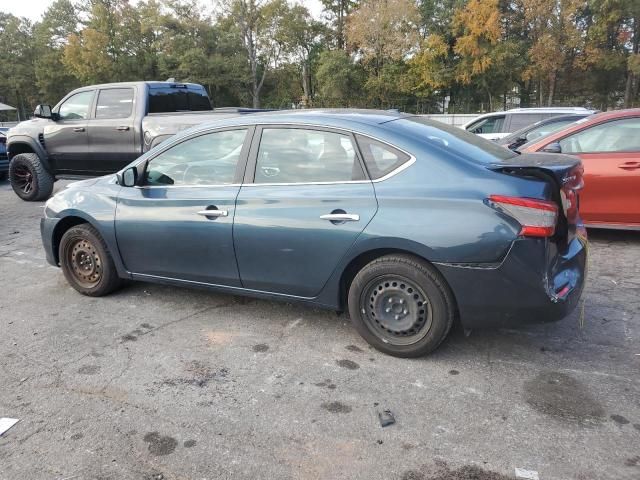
pixel 416 55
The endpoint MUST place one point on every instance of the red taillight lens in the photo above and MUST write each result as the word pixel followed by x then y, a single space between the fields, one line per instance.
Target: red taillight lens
pixel 537 217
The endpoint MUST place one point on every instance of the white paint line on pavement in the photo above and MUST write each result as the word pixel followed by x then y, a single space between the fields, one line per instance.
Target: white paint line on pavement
pixel 294 323
pixel 7 423
pixel 523 474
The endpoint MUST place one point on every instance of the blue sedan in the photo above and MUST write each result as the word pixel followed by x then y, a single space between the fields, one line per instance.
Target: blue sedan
pixel 408 224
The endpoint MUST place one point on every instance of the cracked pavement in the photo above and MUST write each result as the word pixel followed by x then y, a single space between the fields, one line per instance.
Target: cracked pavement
pixel 158 382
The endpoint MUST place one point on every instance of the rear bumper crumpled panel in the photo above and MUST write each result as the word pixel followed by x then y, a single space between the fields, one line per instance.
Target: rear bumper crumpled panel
pixel 533 284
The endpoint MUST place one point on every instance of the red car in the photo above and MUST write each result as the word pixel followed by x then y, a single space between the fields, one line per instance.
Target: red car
pixel 609 146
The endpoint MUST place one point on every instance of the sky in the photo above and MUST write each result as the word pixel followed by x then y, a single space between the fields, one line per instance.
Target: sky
pixel 33 9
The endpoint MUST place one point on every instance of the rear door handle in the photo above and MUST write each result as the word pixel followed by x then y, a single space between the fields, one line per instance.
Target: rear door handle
pixel 214 213
pixel 78 129
pixel 341 217
pixel 629 165
pixel 123 128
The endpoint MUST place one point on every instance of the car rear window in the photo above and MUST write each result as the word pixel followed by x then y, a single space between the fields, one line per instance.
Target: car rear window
pixel 454 140
pixel 180 98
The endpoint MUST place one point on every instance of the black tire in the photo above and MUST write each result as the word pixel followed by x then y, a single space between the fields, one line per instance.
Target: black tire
pixel 414 305
pixel 86 262
pixel 29 179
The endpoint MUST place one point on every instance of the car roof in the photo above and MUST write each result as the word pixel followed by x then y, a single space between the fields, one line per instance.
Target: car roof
pixel 150 84
pixel 336 117
pixel 581 125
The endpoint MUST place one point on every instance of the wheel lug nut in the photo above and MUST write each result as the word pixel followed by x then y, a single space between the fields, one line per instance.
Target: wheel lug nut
pixel 387 310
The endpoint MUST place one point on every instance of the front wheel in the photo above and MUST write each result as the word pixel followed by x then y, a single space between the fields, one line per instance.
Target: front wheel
pixel 401 305
pixel 86 262
pixel 29 179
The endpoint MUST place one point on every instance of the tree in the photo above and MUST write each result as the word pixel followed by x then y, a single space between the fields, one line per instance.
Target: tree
pixel 259 25
pixel 338 79
pixel 337 12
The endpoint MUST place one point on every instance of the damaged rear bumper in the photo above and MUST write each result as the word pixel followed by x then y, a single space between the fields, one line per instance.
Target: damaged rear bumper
pixel 534 283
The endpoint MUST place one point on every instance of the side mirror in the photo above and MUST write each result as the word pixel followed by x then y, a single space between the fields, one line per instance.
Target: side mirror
pixel 553 148
pixel 43 111
pixel 128 177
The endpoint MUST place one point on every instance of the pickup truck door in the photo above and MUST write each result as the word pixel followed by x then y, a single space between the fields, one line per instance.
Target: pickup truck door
pixel 178 223
pixel 65 139
pixel 112 132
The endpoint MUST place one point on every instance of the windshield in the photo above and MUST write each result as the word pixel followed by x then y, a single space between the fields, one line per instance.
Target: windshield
pixel 178 98
pixel 455 140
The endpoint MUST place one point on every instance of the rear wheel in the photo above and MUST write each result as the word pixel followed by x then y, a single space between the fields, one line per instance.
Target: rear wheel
pixel 401 306
pixel 86 262
pixel 29 179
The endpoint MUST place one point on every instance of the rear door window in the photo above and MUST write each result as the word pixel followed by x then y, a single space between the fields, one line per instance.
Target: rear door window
pixel 115 103
pixel 521 120
pixel 295 155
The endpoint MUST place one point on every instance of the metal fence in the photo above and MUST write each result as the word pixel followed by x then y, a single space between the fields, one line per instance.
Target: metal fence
pixel 457 120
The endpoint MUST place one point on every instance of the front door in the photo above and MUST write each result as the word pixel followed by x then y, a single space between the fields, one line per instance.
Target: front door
pixel 610 153
pixel 112 142
pixel 66 139
pixel 301 210
pixel 178 223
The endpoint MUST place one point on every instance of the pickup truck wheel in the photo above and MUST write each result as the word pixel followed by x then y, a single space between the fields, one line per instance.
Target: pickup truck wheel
pixel 86 262
pixel 29 179
pixel 401 305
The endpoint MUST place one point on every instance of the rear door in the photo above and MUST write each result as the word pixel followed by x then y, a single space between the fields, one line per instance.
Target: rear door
pixel 304 202
pixel 112 142
pixel 66 139
pixel 610 153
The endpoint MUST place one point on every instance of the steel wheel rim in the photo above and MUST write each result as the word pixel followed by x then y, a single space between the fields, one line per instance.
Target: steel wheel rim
pixel 23 179
pixel 84 263
pixel 396 310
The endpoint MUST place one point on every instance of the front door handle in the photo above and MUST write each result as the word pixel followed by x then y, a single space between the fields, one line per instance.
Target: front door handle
pixel 629 165
pixel 341 217
pixel 214 213
pixel 78 129
pixel 123 128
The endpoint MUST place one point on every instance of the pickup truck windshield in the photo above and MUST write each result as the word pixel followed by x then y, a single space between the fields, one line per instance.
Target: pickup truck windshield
pixel 178 99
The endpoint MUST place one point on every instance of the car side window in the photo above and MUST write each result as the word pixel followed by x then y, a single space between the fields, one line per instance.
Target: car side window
pixel 521 120
pixel 209 159
pixel 544 130
pixel 76 107
pixel 293 155
pixel 488 125
pixel 115 103
pixel 615 136
pixel 380 158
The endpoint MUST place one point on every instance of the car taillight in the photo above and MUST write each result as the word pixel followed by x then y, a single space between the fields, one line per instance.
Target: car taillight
pixel 572 183
pixel 538 218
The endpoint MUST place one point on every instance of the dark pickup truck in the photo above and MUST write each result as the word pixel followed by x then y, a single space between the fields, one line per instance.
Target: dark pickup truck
pixel 99 129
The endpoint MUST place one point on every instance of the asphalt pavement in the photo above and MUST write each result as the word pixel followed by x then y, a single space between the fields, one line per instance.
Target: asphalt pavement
pixel 163 383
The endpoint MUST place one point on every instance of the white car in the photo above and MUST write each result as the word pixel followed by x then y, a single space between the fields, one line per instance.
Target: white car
pixel 496 125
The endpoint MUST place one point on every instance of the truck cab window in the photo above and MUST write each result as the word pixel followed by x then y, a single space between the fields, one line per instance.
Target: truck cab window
pixel 115 103
pixel 76 107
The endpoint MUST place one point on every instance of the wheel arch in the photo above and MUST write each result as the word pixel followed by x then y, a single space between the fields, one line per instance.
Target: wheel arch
pixel 24 144
pixel 364 257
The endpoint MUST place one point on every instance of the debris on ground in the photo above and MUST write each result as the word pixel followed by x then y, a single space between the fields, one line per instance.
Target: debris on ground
pixel 386 418
pixel 7 423
pixel 523 474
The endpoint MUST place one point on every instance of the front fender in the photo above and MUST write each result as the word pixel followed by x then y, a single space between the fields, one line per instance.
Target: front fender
pixel 75 203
